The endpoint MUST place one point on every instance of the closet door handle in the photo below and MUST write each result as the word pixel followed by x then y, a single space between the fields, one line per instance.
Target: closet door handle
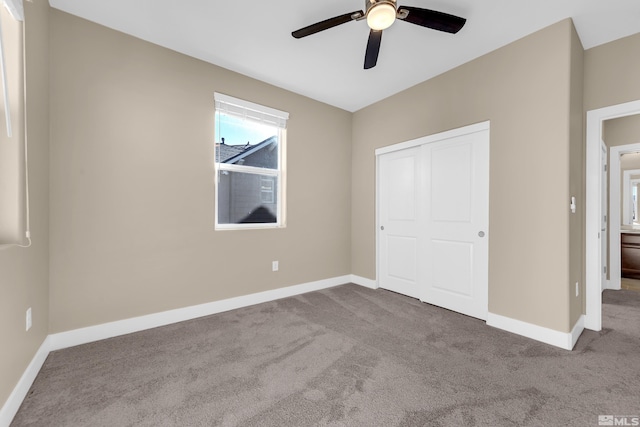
pixel 382 227
pixel 481 233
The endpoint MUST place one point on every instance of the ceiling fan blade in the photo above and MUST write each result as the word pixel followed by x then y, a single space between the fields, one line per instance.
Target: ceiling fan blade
pixel 431 19
pixel 327 23
pixel 373 48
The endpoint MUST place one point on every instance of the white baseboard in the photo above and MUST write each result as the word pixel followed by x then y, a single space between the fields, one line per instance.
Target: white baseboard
pixel 11 406
pixel 363 281
pixel 577 331
pixel 565 340
pixel 136 324
pixel 614 285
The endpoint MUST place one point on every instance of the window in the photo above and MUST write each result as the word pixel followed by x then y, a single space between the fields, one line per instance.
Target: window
pixel 14 201
pixel 249 163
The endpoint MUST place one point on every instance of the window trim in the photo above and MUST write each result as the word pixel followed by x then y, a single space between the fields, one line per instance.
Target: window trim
pixel 268 115
pixel 14 197
pixel 278 117
pixel 15 8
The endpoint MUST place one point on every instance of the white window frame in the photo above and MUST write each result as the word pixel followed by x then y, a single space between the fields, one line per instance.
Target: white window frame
pixel 14 197
pixel 259 113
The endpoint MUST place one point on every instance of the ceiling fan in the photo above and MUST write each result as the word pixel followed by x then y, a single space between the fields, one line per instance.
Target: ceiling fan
pixel 380 14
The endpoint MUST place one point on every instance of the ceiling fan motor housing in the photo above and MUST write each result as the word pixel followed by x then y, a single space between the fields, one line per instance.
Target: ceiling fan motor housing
pixel 370 4
pixel 380 14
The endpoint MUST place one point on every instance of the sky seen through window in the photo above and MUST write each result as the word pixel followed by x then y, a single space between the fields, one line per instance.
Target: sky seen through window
pixel 237 131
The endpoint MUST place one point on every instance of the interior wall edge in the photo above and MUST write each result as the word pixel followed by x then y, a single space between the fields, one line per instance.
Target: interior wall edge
pixel 25 271
pixel 363 281
pixel 11 406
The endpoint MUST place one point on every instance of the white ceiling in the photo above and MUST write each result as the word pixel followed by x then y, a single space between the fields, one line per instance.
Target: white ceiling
pixel 253 37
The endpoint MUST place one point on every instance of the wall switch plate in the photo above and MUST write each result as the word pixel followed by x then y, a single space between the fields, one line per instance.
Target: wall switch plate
pixel 577 289
pixel 274 266
pixel 29 323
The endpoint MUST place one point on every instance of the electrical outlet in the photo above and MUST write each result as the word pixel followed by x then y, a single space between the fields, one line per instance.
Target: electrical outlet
pixel 274 266
pixel 577 289
pixel 29 318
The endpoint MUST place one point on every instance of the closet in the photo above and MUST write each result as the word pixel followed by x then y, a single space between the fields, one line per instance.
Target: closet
pixel 433 219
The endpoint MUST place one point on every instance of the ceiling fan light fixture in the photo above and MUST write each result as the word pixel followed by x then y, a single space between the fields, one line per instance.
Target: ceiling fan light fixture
pixel 381 16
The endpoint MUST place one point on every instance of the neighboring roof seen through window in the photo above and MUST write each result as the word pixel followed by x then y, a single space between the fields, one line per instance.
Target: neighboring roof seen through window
pixel 262 155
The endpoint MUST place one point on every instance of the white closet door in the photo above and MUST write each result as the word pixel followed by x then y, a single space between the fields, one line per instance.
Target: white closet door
pixel 399 178
pixel 456 206
pixel 433 219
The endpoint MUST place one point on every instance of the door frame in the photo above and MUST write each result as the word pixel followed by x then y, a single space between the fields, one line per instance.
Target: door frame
pixel 604 196
pixel 441 136
pixel 593 208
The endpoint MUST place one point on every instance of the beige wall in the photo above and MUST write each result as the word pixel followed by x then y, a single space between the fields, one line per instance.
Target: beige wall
pixel 24 271
pixel 611 73
pixel 621 131
pixel 524 89
pixel 132 196
pixel 629 161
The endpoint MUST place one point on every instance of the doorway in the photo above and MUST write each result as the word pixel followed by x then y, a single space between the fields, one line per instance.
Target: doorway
pixel 594 208
pixel 617 199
